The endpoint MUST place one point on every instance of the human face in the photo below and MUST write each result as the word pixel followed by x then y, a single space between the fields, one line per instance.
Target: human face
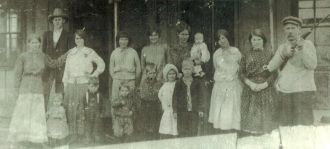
pixel 57 101
pixel 223 41
pixel 79 41
pixel 199 38
pixel 257 42
pixel 292 32
pixel 187 71
pixel 154 37
pixel 183 36
pixel 151 74
pixel 123 42
pixel 171 76
pixel 93 88
pixel 123 92
pixel 34 44
pixel 58 22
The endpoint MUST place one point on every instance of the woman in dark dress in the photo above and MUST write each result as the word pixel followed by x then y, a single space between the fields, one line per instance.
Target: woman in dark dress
pixel 258 104
pixel 180 50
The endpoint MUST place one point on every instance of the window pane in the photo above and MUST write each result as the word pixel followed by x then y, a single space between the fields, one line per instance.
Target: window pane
pixel 306 4
pixel 14 42
pixel 306 13
pixel 13 21
pixel 323 3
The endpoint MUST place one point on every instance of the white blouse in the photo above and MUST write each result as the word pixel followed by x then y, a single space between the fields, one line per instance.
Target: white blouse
pixel 79 65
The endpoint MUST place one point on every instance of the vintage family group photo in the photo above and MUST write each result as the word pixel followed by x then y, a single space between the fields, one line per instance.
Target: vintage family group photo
pixel 91 73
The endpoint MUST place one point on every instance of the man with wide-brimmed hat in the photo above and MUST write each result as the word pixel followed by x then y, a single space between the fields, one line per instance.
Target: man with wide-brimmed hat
pixel 296 60
pixel 55 44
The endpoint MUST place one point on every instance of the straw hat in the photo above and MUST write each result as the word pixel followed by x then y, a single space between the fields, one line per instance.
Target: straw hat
pixel 58 12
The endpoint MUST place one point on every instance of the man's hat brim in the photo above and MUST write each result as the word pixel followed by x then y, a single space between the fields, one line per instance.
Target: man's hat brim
pixel 64 16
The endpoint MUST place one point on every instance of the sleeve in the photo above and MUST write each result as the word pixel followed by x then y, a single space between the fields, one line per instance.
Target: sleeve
pixel 242 69
pixel 238 55
pixel 66 75
pixel 19 69
pixel 143 62
pixel 215 55
pixel 137 65
pixel 277 60
pixel 160 93
pixel 99 62
pixel 60 62
pixel 205 53
pixel 272 75
pixel 179 97
pixel 162 65
pixel 112 65
pixel 309 57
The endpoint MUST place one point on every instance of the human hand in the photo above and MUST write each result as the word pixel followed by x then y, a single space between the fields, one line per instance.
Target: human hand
pixel 261 86
pixel 251 84
pixel 289 51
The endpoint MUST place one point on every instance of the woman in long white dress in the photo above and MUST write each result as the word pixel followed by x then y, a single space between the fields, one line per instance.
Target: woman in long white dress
pixel 28 122
pixel 226 94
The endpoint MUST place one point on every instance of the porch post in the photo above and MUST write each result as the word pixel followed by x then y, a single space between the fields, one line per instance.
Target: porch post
pixel 115 21
pixel 271 24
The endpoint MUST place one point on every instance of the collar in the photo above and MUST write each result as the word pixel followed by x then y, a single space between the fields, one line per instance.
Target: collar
pixel 58 30
pixel 257 49
pixel 83 50
pixel 190 79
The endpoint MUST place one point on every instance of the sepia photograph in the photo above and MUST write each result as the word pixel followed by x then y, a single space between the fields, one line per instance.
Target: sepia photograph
pixel 165 74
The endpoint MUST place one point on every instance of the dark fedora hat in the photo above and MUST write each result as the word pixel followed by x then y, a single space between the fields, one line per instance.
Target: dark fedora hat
pixel 58 12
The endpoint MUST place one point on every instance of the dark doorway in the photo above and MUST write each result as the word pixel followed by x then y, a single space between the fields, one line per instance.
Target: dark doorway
pixel 93 15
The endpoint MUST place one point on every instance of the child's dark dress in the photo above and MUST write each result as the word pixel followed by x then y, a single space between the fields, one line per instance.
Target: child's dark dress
pixel 150 105
pixel 194 95
pixel 93 122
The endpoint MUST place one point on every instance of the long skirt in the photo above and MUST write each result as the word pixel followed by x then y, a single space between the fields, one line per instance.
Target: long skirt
pixel 258 110
pixel 73 103
pixel 225 105
pixel 28 122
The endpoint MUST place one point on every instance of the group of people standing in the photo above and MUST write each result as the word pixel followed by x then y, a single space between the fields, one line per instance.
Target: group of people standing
pixel 164 92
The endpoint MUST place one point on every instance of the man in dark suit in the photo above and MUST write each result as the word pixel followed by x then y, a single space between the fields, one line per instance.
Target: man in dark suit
pixel 55 45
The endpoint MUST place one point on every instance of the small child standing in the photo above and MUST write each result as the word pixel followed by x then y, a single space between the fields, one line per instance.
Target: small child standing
pixel 170 97
pixel 123 109
pixel 200 54
pixel 151 108
pixel 57 127
pixel 92 108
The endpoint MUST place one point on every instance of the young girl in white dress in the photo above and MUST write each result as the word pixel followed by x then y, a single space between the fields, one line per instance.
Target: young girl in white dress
pixel 168 124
